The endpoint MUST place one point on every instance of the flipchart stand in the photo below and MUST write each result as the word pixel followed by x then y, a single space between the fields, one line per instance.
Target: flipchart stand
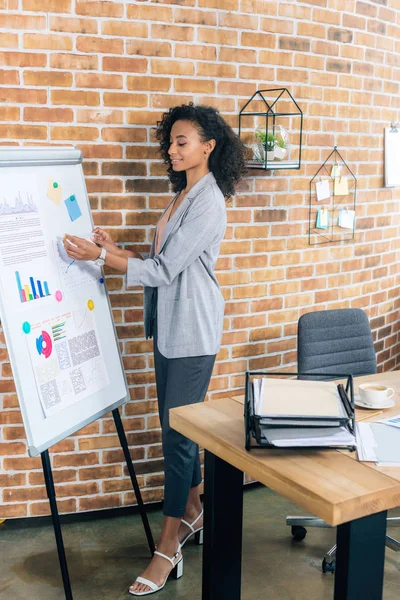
pixel 48 477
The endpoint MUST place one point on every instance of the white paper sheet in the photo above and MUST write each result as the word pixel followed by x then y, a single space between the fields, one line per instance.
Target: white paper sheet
pixel 392 421
pixel 74 274
pixel 67 360
pixel 308 436
pixel 366 444
pixel 28 273
pixel 378 443
pixel 288 397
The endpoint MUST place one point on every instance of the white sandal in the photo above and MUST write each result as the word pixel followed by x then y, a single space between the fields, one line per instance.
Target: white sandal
pixel 198 533
pixel 176 572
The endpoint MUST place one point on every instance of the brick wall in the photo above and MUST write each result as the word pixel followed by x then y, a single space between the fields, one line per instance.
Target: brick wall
pixel 98 74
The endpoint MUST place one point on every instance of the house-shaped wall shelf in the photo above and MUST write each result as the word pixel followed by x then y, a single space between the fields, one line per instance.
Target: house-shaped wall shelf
pixel 270 126
pixel 332 204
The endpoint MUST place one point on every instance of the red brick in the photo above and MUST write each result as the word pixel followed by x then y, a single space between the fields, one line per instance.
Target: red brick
pixel 148 48
pixel 73 61
pixel 9 113
pixel 97 116
pixel 125 65
pixel 48 78
pixel 172 32
pixel 125 28
pixel 9 40
pixel 238 55
pixel 73 25
pixel 46 41
pixel 23 132
pixel 215 70
pixel 101 8
pixel 99 45
pixel 12 511
pixel 52 6
pixel 23 59
pixel 23 95
pixel 137 12
pixel 98 81
pixel 122 99
pixel 75 98
pixel 74 133
pixel 25 22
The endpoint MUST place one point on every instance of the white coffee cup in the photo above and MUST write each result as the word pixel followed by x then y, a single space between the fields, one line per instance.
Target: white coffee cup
pixel 375 394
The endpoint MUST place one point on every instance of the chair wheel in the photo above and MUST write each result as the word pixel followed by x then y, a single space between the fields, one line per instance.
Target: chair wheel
pixel 298 533
pixel 328 567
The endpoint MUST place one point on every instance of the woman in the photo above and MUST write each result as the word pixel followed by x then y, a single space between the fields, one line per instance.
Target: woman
pixel 183 305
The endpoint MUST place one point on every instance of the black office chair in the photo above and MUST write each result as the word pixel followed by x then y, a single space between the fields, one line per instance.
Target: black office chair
pixel 334 341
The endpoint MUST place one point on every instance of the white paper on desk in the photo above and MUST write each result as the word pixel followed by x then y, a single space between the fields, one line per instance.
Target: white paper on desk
pixel 392 421
pixel 294 397
pixel 365 443
pixel 387 443
pixel 378 443
pixel 284 437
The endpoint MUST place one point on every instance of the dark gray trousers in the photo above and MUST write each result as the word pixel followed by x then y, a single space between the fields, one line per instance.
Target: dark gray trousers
pixel 179 381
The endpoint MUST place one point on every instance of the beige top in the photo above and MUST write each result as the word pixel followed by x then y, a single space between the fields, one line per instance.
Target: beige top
pixel 161 226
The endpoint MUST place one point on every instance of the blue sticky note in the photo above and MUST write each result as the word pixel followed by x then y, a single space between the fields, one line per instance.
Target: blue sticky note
pixel 73 208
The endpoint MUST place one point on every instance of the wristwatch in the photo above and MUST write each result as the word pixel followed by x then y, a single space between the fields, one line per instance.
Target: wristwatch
pixel 101 259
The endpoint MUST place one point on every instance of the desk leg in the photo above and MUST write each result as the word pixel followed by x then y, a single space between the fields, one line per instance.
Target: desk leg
pixel 223 519
pixel 360 558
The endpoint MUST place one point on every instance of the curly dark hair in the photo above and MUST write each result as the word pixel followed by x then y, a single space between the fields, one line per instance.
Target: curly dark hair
pixel 226 161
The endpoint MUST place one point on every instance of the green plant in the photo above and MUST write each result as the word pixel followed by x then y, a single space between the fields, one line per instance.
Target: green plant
pixel 268 141
pixel 281 143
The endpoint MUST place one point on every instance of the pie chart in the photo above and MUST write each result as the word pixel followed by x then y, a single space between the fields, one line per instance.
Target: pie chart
pixel 44 345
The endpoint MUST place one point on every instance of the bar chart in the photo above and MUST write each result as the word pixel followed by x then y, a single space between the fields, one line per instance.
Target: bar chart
pixel 34 290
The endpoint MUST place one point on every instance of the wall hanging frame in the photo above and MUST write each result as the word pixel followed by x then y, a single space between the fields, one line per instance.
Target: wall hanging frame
pixel 332 203
pixel 392 155
pixel 271 127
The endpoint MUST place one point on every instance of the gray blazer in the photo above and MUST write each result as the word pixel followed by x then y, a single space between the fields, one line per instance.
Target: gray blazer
pixel 190 306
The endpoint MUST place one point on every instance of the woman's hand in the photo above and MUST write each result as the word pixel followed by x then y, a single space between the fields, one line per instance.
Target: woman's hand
pixel 104 239
pixel 80 249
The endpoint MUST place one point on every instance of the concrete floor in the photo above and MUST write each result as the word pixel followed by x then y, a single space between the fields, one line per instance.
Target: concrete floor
pixel 105 555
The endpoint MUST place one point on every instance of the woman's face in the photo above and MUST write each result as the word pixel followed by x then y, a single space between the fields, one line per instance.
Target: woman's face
pixel 186 150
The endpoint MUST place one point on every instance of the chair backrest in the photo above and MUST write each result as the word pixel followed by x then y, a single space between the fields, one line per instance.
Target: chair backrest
pixel 335 341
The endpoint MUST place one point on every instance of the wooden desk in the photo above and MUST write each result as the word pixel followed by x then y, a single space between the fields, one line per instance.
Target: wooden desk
pixel 330 484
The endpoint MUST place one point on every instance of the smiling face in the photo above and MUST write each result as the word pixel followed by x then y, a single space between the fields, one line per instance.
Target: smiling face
pixel 186 150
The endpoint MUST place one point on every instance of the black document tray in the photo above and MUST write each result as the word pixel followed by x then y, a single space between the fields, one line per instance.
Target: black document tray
pixel 253 423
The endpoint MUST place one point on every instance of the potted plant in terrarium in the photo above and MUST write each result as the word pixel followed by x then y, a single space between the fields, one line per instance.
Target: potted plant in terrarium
pixel 265 145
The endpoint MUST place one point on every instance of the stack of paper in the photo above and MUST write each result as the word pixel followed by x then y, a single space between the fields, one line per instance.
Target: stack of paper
pixel 293 398
pixel 378 442
pixel 365 442
pixel 283 437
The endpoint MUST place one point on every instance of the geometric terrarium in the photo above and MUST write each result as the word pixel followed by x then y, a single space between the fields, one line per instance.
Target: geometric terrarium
pixel 270 126
pixel 332 205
